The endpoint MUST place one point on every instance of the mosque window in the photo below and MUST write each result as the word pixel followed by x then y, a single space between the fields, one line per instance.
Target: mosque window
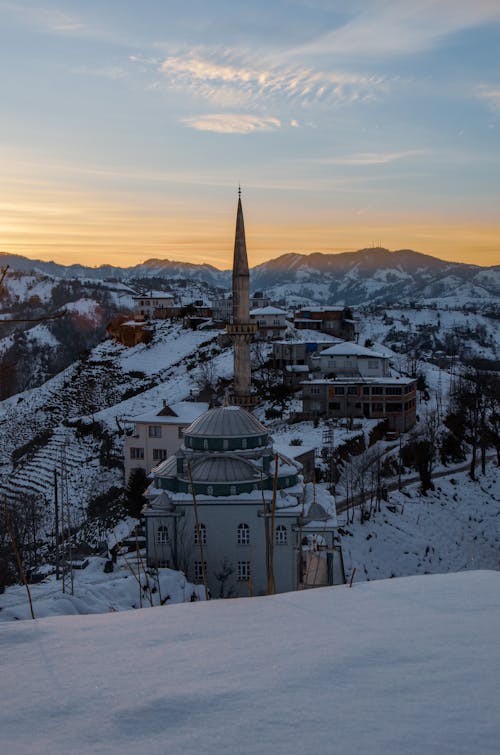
pixel 203 535
pixel 281 535
pixel 198 570
pixel 232 490
pixel 243 571
pixel 205 443
pixel 243 534
pixel 210 489
pixel 225 444
pixel 243 442
pixel 162 536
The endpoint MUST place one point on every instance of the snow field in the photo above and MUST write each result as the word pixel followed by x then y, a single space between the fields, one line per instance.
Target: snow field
pixel 398 666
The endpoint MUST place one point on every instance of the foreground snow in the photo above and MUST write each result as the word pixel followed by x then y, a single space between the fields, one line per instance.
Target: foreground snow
pixel 399 666
pixel 96 592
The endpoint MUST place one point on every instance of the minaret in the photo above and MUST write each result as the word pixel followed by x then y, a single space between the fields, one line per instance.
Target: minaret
pixel 241 329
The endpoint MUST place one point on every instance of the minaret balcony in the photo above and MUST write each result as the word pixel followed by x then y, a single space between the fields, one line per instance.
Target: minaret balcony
pixel 242 328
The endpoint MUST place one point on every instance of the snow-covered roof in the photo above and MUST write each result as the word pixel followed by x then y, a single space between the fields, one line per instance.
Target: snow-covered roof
pixel 362 381
pixel 347 348
pixel 154 295
pixel 268 311
pixel 322 309
pixel 183 412
pixel 296 368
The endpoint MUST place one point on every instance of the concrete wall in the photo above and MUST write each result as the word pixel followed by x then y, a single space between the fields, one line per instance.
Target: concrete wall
pixel 221 522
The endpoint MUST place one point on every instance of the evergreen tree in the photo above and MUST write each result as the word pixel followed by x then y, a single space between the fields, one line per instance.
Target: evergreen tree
pixel 134 492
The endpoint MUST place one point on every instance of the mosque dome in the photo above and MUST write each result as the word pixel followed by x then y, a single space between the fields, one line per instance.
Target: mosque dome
pixel 227 468
pixel 225 428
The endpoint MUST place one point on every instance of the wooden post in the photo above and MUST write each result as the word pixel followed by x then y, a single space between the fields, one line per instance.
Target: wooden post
pixel 271 587
pixel 352 576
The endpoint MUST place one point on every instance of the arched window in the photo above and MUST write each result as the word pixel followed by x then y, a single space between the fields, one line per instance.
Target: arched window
pixel 280 537
pixel 243 534
pixel 203 535
pixel 243 442
pixel 205 444
pixel 162 535
pixel 210 489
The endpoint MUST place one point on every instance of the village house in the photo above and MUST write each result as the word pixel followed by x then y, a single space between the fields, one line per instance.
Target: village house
pixel 153 304
pixel 390 398
pixel 211 512
pixel 156 435
pixel 350 359
pixel 271 322
pixel 337 321
pixel 129 332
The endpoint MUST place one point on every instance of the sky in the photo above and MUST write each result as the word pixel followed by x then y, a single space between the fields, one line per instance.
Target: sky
pixel 126 128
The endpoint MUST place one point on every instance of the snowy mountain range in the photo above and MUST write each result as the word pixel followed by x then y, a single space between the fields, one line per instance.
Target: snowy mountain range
pixel 352 278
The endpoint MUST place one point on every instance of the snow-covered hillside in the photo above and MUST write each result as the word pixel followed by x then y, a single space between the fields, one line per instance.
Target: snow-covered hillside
pixel 399 666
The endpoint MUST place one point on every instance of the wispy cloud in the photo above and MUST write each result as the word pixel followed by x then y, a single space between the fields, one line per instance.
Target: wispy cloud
pixel 393 27
pixel 50 19
pixel 232 123
pixel 371 158
pixel 490 93
pixel 228 78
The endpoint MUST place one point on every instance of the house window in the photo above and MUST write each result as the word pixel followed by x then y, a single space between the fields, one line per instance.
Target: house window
pixel 394 408
pixel 243 534
pixel 339 390
pixel 281 535
pixel 155 431
pixel 198 570
pixel 352 390
pixel 393 391
pixel 366 390
pixel 373 364
pixel 203 535
pixel 334 406
pixel 377 407
pixel 243 571
pixel 377 391
pixel 162 537
pixel 137 453
pixel 159 454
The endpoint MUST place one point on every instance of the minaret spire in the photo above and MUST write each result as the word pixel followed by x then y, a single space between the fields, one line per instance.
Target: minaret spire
pixel 241 329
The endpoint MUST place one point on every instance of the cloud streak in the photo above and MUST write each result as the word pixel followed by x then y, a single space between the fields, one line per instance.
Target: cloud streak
pixel 392 27
pixel 232 123
pixel 371 158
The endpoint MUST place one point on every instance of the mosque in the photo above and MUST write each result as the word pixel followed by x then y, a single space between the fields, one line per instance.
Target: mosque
pixel 228 510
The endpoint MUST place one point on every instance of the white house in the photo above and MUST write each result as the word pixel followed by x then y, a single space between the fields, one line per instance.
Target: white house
pixel 147 304
pixel 348 358
pixel 271 322
pixel 157 435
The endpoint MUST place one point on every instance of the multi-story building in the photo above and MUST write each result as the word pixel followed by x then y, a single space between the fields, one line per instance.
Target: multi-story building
pixel 271 322
pixel 157 435
pixel 152 304
pixel 336 321
pixel 391 398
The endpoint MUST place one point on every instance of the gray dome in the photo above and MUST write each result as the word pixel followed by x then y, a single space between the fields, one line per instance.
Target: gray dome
pixel 224 469
pixel 226 422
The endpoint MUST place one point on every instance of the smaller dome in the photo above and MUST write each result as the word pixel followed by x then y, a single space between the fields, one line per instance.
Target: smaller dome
pixel 224 469
pixel 226 422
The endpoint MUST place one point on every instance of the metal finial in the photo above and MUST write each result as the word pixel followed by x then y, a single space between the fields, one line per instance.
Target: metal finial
pixel 239 191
